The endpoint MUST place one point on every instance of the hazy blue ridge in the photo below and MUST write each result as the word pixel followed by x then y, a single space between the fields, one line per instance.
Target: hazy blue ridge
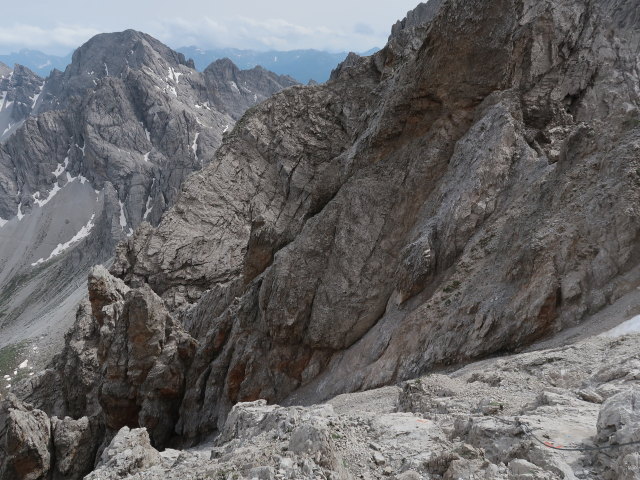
pixel 303 65
pixel 39 62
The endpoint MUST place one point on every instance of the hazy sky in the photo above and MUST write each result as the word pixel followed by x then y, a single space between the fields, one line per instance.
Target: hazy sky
pixel 61 25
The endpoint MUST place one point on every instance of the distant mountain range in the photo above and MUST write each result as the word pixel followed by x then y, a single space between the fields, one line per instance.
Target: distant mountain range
pixel 303 65
pixel 39 62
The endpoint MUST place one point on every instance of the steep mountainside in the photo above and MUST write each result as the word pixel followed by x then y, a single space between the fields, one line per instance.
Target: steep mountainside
pixel 20 91
pixel 114 137
pixel 470 189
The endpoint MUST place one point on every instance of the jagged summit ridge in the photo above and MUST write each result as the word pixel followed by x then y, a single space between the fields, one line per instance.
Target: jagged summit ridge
pixel 106 147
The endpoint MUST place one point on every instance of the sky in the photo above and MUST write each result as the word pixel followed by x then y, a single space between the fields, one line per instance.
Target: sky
pixel 57 27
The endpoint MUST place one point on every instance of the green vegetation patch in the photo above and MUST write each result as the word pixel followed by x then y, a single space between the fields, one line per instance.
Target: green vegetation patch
pixel 11 357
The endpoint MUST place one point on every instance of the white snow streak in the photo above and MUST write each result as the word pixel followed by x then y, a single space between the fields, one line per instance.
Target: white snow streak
pixel 194 146
pixel 41 203
pixel 36 96
pixel 173 75
pixel 123 217
pixel 630 326
pixel 148 208
pixel 83 233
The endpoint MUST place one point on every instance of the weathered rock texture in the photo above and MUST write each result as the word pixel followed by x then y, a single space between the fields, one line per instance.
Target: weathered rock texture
pixel 20 90
pixel 467 190
pixel 478 422
pixel 114 137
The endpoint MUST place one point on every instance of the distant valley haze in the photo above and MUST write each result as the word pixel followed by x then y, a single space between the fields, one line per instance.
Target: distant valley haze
pixel 303 39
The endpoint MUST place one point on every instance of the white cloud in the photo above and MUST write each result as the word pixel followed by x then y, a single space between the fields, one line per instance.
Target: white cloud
pixel 267 34
pixel 55 38
pixel 205 32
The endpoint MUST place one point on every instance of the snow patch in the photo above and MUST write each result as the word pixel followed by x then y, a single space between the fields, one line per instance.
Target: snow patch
pixel 61 168
pixel 3 222
pixel 106 69
pixel 194 145
pixel 23 364
pixel 234 87
pixel 38 201
pixel 148 208
pixel 35 98
pixel 83 233
pixel 82 179
pixel 20 215
pixel 172 90
pixel 146 156
pixel 625 328
pixel 173 75
pixel 123 217
pixel 226 129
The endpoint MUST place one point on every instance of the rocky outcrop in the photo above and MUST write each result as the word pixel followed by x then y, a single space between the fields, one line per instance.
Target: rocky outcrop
pixel 619 428
pixel 466 191
pixel 25 447
pixel 439 201
pixel 5 71
pixel 499 419
pixel 233 91
pixel 128 453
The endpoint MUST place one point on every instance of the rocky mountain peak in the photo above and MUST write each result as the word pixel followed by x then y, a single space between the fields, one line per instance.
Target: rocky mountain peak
pixel 420 15
pixel 223 67
pixel 114 55
pixel 111 54
pixel 20 90
pixel 112 140
pixel 233 90
pixel 4 70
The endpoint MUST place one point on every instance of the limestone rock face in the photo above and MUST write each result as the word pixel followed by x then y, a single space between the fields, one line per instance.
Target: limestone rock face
pixel 128 453
pixel 25 452
pixel 619 424
pixel 233 91
pixel 105 148
pixel 439 201
pixel 477 422
pixel 20 90
pixel 75 445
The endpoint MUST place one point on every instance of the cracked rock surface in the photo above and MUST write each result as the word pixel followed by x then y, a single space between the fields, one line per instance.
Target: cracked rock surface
pixel 103 147
pixel 464 193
